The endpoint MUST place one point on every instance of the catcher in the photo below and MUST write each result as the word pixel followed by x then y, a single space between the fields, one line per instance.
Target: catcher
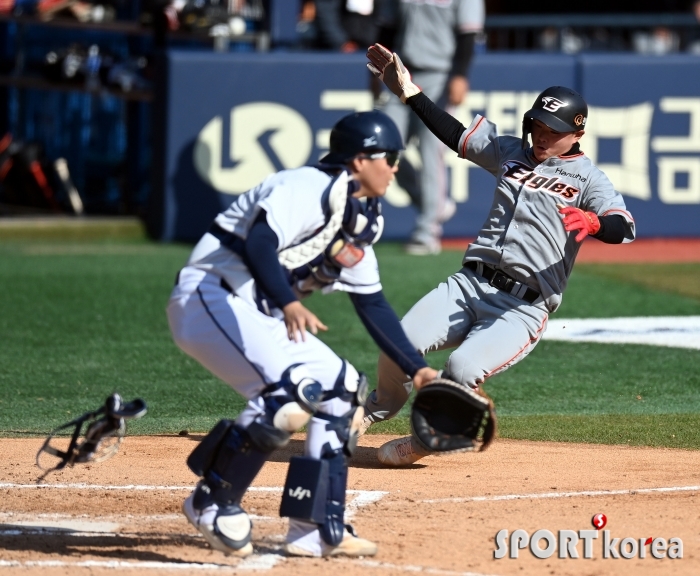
pixel 548 198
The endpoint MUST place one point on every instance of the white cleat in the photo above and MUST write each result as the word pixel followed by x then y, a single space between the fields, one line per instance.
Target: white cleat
pixel 352 545
pixel 237 527
pixel 366 423
pixel 416 248
pixel 400 452
pixel 449 208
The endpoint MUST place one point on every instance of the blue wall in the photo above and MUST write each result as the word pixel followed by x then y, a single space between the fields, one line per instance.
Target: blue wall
pixel 231 119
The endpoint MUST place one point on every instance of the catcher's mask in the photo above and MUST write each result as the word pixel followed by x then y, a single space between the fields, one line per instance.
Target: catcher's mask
pixel 559 108
pixel 106 428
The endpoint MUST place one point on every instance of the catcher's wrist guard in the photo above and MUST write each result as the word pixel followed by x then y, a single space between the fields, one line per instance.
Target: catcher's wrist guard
pixel 105 430
pixel 449 417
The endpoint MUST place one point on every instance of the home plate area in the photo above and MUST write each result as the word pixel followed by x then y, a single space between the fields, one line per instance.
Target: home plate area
pixel 155 541
pixel 439 516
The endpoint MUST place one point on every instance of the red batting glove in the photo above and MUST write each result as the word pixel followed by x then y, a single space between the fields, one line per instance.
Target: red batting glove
pixel 576 219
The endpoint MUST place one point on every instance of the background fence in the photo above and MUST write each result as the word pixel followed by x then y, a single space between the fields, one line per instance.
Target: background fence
pixel 229 120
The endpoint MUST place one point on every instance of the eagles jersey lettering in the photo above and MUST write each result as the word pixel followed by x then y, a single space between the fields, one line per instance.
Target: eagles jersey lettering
pixel 523 234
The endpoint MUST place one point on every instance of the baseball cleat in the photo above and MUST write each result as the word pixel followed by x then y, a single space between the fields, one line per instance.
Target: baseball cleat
pixel 449 208
pixel 366 423
pixel 227 531
pixel 400 452
pixel 416 248
pixel 351 545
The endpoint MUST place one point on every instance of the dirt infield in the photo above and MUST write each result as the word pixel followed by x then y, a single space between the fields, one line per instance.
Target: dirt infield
pixel 438 517
pixel 662 250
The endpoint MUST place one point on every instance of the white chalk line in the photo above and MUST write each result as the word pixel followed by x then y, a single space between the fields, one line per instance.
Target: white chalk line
pixel 125 519
pixel 536 496
pixel 363 498
pixel 137 487
pixel 262 562
pixel 368 495
pixel 59 516
pixel 411 568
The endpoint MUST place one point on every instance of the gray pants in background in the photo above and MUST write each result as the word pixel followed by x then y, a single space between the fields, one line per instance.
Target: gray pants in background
pixel 429 190
pixel 489 329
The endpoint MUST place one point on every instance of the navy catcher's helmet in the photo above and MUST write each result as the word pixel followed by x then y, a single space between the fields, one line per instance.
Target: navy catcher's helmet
pixel 362 132
pixel 561 109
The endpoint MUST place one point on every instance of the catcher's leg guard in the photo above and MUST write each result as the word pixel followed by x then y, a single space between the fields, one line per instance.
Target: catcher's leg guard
pixel 333 528
pixel 230 457
pixel 315 487
pixel 315 492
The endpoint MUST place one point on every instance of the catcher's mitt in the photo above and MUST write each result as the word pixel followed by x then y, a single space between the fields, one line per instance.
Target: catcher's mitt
pixel 449 417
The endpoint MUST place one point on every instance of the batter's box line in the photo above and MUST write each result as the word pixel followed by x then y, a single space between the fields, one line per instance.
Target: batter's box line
pixel 364 496
pixel 543 495
pixel 64 522
pixel 409 568
pixel 261 562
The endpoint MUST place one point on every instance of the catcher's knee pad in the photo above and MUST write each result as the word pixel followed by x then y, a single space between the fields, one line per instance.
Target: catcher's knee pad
pixel 351 386
pixel 290 403
pixel 315 492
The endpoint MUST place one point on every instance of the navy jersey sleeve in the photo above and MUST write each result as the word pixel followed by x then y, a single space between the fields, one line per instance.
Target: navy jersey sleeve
pixel 383 325
pixel 261 259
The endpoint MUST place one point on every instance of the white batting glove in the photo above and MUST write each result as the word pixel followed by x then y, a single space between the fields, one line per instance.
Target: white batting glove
pixel 387 66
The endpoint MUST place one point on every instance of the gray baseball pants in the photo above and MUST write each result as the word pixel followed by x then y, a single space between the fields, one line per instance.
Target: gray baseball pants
pixel 489 329
pixel 428 188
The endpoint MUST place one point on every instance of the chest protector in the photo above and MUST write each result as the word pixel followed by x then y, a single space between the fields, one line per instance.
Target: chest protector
pixel 309 249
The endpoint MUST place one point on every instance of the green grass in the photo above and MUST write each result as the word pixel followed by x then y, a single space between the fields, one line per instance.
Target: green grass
pixel 610 290
pixel 77 229
pixel 83 319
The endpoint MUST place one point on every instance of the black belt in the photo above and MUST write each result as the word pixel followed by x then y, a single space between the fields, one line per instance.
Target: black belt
pixel 502 281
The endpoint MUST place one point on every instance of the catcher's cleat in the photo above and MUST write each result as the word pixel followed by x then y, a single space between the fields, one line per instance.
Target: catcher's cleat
pixel 226 530
pixel 401 452
pixel 351 545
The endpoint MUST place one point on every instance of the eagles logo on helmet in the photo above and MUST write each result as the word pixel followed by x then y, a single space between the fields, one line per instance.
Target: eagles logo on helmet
pixel 559 108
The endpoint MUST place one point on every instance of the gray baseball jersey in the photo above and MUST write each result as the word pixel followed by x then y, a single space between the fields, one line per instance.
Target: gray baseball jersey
pixel 426 30
pixel 523 234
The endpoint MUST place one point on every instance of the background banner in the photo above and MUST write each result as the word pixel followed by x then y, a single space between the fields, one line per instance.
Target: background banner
pixel 232 119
